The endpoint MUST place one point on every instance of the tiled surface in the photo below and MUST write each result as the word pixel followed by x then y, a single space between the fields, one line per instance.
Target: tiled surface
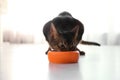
pixel 29 62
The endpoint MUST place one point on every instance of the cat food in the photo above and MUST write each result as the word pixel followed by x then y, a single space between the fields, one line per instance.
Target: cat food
pixel 63 57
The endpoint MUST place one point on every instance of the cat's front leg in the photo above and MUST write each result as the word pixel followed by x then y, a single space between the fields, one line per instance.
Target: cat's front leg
pixel 47 51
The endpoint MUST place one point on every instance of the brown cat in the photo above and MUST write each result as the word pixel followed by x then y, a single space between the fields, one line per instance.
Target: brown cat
pixel 64 33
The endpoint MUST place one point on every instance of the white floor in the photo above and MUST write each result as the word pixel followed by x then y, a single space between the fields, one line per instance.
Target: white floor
pixel 29 62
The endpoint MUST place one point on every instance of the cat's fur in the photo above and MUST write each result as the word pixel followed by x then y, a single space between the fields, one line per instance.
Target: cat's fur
pixel 64 33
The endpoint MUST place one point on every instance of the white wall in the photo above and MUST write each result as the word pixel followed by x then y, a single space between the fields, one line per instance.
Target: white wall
pixel 29 16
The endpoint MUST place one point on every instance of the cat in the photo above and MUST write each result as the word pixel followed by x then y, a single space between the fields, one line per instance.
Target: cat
pixel 64 33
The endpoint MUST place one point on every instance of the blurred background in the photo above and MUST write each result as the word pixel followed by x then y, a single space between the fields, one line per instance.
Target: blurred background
pixel 22 21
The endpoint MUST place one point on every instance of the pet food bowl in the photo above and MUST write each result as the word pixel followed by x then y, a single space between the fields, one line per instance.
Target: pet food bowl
pixel 63 57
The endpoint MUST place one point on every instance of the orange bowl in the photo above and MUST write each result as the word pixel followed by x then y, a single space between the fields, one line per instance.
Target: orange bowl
pixel 63 57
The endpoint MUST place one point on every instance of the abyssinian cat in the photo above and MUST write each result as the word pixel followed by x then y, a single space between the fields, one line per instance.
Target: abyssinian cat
pixel 64 33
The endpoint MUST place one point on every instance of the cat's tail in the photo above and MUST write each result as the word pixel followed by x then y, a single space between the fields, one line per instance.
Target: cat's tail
pixel 89 43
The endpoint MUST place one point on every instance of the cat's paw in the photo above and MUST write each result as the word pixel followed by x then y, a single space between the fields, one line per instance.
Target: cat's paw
pixel 82 53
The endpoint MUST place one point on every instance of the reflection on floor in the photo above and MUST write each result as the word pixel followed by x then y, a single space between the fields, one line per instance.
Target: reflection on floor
pixel 29 62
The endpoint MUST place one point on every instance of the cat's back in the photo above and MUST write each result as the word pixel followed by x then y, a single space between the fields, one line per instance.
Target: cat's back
pixel 64 23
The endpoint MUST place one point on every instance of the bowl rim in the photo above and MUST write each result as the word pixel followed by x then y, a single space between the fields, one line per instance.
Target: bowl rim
pixel 63 51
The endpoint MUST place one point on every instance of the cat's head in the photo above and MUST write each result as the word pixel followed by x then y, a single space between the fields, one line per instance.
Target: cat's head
pixel 64 41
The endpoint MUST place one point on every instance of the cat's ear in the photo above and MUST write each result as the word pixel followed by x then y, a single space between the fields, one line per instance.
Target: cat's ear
pixel 53 31
pixel 75 30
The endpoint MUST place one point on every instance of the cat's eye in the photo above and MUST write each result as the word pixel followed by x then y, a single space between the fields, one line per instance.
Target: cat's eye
pixel 61 45
pixel 55 42
pixel 73 43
